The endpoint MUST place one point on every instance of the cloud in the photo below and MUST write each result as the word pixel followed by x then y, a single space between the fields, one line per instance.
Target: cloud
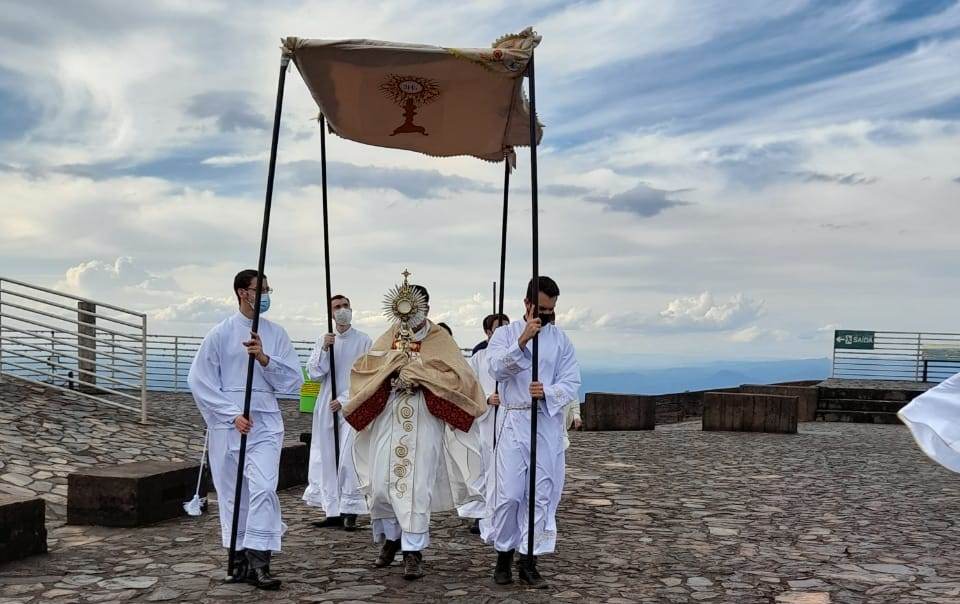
pixel 642 200
pixel 232 110
pixel 754 334
pixel 957 180
pixel 197 309
pixel 840 179
pixel 690 314
pixel 411 183
pixel 103 279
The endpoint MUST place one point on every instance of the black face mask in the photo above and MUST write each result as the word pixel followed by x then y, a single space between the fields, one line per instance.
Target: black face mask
pixel 547 318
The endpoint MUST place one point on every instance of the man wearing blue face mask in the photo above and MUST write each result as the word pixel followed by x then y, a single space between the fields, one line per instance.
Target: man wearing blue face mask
pixel 218 382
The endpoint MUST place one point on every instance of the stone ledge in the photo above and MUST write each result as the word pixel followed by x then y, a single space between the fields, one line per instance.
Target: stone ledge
pixel 604 411
pixel 750 413
pixel 22 527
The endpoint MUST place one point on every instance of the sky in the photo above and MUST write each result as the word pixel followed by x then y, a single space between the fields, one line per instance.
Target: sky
pixel 718 180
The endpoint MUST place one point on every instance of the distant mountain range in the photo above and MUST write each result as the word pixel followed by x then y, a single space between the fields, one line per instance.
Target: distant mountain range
pixel 721 374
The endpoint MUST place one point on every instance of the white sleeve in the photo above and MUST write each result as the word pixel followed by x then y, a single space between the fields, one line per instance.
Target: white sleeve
pixel 566 381
pixel 283 369
pixel 318 365
pixel 506 358
pixel 206 385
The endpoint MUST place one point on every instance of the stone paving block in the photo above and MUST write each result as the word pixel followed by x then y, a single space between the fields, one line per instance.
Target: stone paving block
pixel 131 494
pixel 604 411
pixel 22 530
pixel 750 413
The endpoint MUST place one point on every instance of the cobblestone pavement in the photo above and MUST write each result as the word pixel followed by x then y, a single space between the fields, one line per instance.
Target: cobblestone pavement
pixel 837 513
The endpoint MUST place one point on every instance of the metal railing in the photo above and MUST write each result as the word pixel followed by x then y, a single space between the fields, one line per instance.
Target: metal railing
pixel 896 355
pixel 169 358
pixel 74 344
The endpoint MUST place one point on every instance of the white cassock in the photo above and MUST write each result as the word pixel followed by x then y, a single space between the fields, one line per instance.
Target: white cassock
pixel 570 412
pixel 934 419
pixel 559 373
pixel 411 464
pixel 484 424
pixel 217 380
pixel 335 492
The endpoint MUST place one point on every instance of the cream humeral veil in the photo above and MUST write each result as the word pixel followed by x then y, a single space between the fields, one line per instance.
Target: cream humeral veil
pixel 450 386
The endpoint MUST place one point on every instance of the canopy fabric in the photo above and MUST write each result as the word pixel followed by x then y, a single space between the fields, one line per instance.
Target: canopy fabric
pixel 433 100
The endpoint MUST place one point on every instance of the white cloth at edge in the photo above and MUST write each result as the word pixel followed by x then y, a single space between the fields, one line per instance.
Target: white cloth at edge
pixel 934 420
pixel 217 380
pixel 335 492
pixel 484 423
pixel 559 372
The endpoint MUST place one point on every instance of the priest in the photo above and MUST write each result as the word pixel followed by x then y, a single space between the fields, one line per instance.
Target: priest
pixel 413 401
pixel 334 489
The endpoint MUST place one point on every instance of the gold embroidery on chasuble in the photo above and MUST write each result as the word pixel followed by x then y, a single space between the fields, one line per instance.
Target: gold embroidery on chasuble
pixel 402 468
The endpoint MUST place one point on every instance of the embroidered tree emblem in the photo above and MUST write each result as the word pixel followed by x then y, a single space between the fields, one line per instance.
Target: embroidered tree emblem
pixel 410 93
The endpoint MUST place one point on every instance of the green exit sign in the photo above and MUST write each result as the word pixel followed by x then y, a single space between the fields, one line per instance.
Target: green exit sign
pixel 860 340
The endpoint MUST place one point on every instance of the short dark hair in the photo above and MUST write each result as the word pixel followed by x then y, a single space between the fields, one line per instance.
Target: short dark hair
pixel 445 326
pixel 548 287
pixel 339 297
pixel 489 320
pixel 423 292
pixel 243 280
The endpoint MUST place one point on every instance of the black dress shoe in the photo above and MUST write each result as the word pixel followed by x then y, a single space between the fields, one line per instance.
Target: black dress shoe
pixel 529 574
pixel 350 522
pixel 240 568
pixel 329 522
pixel 388 553
pixel 503 574
pixel 475 529
pixel 262 579
pixel 412 565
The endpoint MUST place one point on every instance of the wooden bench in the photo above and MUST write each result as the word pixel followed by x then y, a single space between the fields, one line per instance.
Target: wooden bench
pixel 23 529
pixel 145 492
pixel 132 494
pixel 604 411
pixel 807 397
pixel 750 412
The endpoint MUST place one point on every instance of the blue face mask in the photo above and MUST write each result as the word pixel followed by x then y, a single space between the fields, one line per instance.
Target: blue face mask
pixel 264 303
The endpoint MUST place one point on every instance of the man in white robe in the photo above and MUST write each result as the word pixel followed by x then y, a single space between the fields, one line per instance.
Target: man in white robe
pixel 478 362
pixel 511 360
pixel 934 419
pixel 416 449
pixel 217 380
pixel 335 490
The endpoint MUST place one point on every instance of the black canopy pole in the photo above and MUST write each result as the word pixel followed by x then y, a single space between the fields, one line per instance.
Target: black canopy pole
pixel 242 458
pixel 326 262
pixel 535 373
pixel 498 308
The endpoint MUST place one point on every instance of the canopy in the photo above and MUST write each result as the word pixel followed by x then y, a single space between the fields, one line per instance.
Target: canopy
pixel 434 100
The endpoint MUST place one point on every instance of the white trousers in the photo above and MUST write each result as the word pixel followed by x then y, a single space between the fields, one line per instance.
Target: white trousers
pixel 259 525
pixel 389 528
pixel 508 525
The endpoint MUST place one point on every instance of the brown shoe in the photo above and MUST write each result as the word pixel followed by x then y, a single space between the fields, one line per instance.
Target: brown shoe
pixel 412 565
pixel 388 553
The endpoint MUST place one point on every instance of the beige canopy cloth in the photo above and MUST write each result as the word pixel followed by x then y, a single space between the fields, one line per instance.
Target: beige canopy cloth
pixel 434 100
